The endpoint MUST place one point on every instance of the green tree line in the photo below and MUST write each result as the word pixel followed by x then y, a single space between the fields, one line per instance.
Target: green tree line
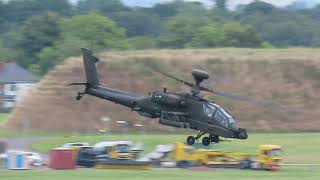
pixel 39 34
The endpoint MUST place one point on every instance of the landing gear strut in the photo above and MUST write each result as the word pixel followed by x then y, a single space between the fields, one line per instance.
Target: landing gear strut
pixel 199 135
pixel 214 138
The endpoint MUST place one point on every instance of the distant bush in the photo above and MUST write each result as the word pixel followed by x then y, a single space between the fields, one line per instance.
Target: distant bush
pixel 267 45
pixel 142 43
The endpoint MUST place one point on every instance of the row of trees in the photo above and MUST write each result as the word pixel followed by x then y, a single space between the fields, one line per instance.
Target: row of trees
pixel 41 33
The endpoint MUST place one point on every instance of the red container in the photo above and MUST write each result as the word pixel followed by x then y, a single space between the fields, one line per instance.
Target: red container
pixel 61 159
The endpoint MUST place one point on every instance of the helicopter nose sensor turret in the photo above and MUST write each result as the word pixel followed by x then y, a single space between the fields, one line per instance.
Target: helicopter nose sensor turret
pixel 242 134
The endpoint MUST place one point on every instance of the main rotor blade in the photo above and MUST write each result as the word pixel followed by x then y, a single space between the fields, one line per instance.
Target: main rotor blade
pixel 275 107
pixel 237 98
pixel 173 77
pixel 179 80
pixel 243 99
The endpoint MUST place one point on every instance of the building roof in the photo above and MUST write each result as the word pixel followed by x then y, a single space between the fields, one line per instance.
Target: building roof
pixel 13 73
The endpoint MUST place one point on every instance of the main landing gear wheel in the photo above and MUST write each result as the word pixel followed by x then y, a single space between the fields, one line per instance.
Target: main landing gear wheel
pixel 206 141
pixel 191 140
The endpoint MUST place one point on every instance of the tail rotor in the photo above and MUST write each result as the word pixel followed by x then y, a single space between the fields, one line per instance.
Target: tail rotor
pixel 80 94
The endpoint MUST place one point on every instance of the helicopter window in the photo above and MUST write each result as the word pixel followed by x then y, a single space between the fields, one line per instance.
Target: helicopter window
pixel 209 109
pixel 221 118
pixel 225 113
pixel 231 120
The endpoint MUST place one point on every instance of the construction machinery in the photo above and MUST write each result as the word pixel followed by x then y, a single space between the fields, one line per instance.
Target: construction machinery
pixel 75 146
pixel 268 158
pixel 111 155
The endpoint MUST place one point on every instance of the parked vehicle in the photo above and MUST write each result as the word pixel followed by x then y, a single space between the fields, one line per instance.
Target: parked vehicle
pixel 110 155
pixel 34 159
pixel 268 158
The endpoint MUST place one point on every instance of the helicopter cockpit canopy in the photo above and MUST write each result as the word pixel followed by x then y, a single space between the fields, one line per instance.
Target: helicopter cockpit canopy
pixel 217 113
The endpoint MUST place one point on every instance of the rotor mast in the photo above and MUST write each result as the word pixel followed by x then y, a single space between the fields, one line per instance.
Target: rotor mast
pixel 199 76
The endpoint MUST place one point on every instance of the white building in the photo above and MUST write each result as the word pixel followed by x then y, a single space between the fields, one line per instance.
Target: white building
pixel 14 84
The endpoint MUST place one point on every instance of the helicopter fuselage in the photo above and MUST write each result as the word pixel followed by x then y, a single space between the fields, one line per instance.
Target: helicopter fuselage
pixel 180 110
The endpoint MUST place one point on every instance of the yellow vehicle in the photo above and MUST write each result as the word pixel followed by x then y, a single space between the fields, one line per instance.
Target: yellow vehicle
pixel 110 155
pixel 184 154
pixel 119 151
pixel 268 158
pixel 120 156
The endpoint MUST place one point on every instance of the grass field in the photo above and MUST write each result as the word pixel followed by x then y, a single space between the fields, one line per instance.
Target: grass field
pixel 298 147
pixel 173 174
pixel 3 117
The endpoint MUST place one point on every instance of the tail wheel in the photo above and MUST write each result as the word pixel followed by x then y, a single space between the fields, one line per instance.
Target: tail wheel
pixel 206 141
pixel 190 140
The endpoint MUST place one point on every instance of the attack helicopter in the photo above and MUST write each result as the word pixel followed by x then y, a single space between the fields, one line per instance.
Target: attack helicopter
pixel 180 110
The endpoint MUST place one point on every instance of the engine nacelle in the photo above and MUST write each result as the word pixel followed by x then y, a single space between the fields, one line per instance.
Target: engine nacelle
pixel 167 99
pixel 148 115
pixel 174 119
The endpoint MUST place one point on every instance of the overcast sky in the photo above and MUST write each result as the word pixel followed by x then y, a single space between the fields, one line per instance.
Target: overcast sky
pixel 231 4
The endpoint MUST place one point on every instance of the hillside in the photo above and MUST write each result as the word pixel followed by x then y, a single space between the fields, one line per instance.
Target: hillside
pixel 288 77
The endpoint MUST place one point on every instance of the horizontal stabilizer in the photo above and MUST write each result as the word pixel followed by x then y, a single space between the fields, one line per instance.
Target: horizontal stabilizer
pixel 78 84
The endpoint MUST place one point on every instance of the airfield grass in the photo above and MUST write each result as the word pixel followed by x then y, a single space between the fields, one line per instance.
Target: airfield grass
pixel 288 173
pixel 3 117
pixel 298 148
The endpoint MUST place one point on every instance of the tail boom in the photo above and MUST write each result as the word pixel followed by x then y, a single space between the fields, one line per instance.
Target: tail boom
pixel 93 87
